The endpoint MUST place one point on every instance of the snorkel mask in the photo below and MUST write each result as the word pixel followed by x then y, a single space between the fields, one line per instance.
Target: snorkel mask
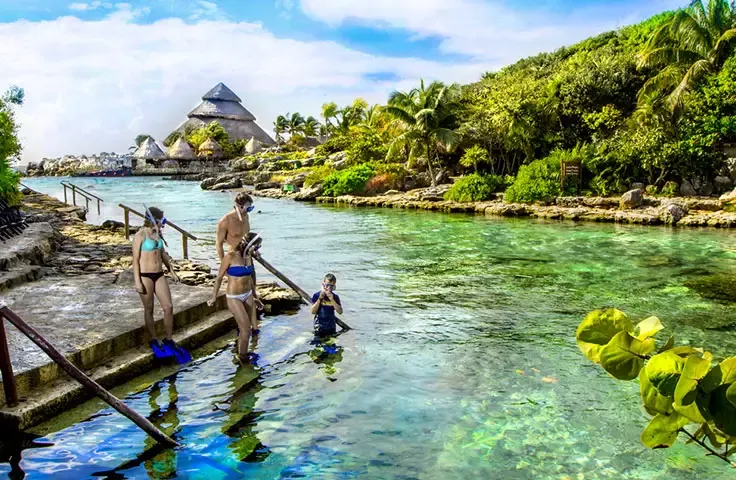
pixel 156 224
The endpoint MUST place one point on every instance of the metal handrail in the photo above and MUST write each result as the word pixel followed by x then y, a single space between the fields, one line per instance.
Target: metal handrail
pixel 185 236
pixel 85 194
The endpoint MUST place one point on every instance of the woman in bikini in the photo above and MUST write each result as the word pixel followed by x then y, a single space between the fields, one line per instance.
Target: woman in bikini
pixel 149 256
pixel 242 299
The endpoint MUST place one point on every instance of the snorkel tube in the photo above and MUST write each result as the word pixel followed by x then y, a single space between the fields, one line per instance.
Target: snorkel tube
pixel 252 242
pixel 152 219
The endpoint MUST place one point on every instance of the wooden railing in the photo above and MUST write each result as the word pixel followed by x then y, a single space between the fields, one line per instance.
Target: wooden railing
pixel 11 391
pixel 84 193
pixel 185 236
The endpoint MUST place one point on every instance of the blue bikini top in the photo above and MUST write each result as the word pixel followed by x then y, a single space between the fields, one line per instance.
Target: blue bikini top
pixel 149 245
pixel 239 270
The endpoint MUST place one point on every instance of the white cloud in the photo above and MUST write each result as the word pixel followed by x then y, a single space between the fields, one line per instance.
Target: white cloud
pixel 83 7
pixel 93 86
pixel 486 29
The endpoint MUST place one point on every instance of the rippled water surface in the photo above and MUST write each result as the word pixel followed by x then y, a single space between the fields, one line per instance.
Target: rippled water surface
pixel 463 363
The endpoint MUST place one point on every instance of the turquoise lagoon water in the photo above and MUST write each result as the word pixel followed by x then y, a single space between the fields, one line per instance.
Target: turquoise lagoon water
pixel 463 363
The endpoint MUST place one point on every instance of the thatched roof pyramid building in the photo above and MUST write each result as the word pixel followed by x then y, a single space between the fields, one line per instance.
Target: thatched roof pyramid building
pixel 210 148
pixel 220 104
pixel 181 150
pixel 149 150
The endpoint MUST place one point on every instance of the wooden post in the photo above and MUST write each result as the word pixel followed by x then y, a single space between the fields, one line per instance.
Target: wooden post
pixel 87 202
pixel 65 200
pixel 126 219
pixel 74 195
pixel 98 206
pixel 296 288
pixel 11 392
pixel 185 246
pixel 82 378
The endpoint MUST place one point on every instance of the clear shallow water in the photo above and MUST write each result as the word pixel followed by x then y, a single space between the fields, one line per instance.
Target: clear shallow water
pixel 463 363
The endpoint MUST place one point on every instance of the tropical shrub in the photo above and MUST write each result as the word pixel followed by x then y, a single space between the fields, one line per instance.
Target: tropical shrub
pixel 474 188
pixel 366 147
pixel 382 182
pixel 670 189
pixel 474 156
pixel 350 181
pixel 538 181
pixel 10 146
pixel 680 386
pixel 212 130
pixel 334 144
pixel 317 175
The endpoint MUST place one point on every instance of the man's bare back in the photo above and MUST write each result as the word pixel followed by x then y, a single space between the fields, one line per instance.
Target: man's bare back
pixel 232 228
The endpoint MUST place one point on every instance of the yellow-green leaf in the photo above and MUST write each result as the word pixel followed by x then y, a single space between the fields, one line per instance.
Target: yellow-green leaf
pixel 731 394
pixel 624 355
pixel 664 371
pixel 724 372
pixel 662 431
pixel 648 328
pixel 598 328
pixel 723 411
pixel 654 403
pixel 668 345
pixel 695 369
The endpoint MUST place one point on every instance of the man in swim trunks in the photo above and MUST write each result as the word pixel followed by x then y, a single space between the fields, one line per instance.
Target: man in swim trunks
pixel 235 225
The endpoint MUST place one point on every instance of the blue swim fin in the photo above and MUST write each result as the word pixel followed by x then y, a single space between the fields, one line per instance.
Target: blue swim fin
pixel 180 354
pixel 158 350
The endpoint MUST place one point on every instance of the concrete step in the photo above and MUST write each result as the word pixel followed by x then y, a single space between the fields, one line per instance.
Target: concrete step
pixel 32 247
pixel 64 393
pixel 18 275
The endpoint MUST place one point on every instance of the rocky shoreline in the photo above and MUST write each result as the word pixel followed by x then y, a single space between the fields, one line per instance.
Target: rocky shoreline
pixel 675 211
pixel 77 248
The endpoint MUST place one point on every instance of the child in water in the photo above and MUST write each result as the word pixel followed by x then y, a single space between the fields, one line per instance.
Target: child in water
pixel 324 305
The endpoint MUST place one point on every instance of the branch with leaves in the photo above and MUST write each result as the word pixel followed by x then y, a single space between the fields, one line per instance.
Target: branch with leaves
pixel 680 386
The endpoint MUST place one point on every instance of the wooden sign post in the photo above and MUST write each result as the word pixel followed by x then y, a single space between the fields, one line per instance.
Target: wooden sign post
pixel 571 169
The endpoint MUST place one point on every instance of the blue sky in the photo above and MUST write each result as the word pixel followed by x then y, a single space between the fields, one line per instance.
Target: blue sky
pixel 141 65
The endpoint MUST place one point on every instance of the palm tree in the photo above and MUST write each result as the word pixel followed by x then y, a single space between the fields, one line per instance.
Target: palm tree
pixel 311 127
pixel 330 110
pixel 280 126
pixel 295 123
pixel 427 118
pixel 694 42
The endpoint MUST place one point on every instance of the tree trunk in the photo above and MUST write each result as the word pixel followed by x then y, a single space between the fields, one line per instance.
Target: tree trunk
pixel 429 163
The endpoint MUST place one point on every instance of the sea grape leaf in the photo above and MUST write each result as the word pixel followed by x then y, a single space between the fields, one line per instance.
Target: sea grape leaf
pixel 654 403
pixel 724 372
pixel 664 371
pixel 668 345
pixel 717 440
pixel 723 411
pixel 623 357
pixel 685 351
pixel 695 369
pixel 662 431
pixel 648 328
pixel 731 394
pixel 598 328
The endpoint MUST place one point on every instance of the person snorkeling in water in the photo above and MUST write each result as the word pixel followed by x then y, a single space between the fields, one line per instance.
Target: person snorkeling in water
pixel 149 257
pixel 242 298
pixel 234 225
pixel 324 305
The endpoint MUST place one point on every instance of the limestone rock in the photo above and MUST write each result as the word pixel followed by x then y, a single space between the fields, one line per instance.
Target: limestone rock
pixel 207 183
pixel 637 186
pixel 309 194
pixel 266 185
pixel 631 199
pixel 687 189
pixel 671 213
pixel 228 184
pixel 297 180
pixel 722 184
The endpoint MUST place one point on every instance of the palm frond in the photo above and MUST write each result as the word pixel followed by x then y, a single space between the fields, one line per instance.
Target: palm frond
pixel 448 138
pixel 401 114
